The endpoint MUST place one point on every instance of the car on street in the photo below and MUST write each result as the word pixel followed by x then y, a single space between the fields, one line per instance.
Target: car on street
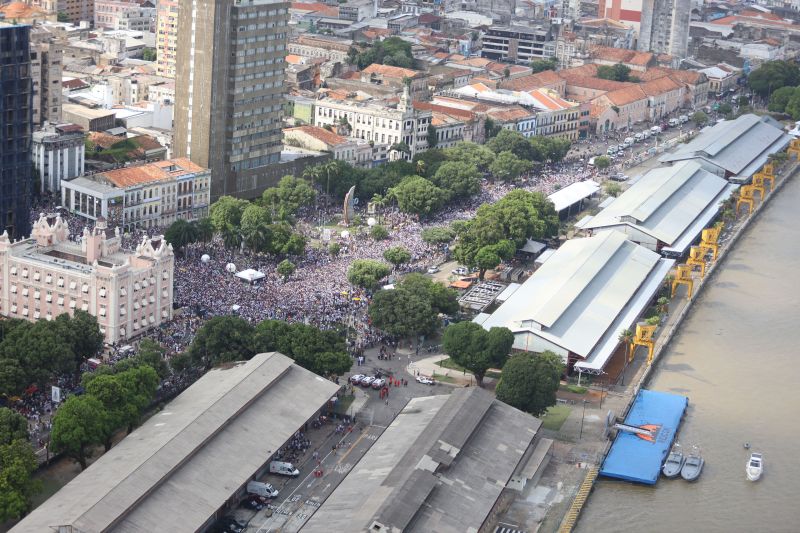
pixel 425 380
pixel 379 383
pixel 611 150
pixel 655 130
pixel 619 176
pixel 366 381
pixel 639 137
pixel 460 271
pixel 356 378
pixel 433 269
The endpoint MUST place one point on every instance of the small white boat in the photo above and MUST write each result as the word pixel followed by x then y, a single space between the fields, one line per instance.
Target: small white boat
pixel 674 463
pixel 755 467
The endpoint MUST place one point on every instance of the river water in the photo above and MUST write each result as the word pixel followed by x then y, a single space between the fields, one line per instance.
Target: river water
pixel 737 358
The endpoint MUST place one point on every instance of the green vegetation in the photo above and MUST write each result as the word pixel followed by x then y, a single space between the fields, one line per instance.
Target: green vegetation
pixel 555 417
pixel 438 235
pixel 700 118
pixel 418 196
pixel 397 255
pixel 366 273
pixel 602 162
pixel 540 65
pixel 17 464
pixel 378 232
pixel 612 188
pixel 529 382
pixel 618 72
pixel 149 54
pixel 412 307
pixel 772 76
pixel 285 268
pixel 392 51
pixel 476 349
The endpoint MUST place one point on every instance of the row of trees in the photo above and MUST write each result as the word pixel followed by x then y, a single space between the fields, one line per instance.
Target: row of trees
pixel 17 465
pixel 392 51
pixel 772 76
pixel 227 339
pixel 34 353
pixel 786 100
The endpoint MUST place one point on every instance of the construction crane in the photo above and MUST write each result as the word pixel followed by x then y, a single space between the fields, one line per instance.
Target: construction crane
pixel 683 276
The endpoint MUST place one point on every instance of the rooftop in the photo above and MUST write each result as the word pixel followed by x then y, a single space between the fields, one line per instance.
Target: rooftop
pixel 389 71
pixel 328 137
pixel 670 204
pixel 182 465
pixel 583 296
pixel 440 466
pixel 151 172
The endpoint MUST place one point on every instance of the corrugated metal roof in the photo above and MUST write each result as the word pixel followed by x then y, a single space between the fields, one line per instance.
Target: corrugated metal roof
pixel 733 144
pixel 664 202
pixel 573 193
pixel 578 293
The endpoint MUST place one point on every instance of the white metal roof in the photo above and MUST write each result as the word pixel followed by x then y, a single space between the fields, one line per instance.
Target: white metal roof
pixel 666 202
pixel 250 275
pixel 573 193
pixel 734 145
pixel 576 296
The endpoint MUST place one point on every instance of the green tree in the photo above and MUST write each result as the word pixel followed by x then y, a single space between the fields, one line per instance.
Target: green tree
pixel 397 255
pixel 529 382
pixel 62 17
pixel 511 141
pixel 119 410
pixel 602 162
pixel 618 72
pixel 548 148
pixel 780 97
pixel 152 354
pixel 13 426
pixel 793 106
pixel 773 75
pixel 13 379
pixel 427 163
pixel 412 307
pixel 476 349
pixel 460 179
pixel 490 128
pixel 149 54
pixel 180 234
pixel 613 188
pixel 475 155
pixel 700 118
pixel 540 65
pixel 226 213
pixel 418 196
pixel 334 248
pixel 42 349
pixel 322 352
pixel 442 299
pixel 83 333
pixel 438 235
pixel 79 423
pixel 508 167
pixel 222 339
pixel 290 195
pixel 254 226
pixel 725 109
pixel 204 229
pixel 285 268
pixel 379 232
pixel 17 465
pixel 367 273
pixel 432 137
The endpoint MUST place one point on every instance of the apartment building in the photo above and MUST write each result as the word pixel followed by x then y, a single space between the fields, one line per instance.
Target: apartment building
pixel 47 275
pixel 166 37
pixel 153 195
pixel 138 15
pixel 230 91
pixel 517 44
pixel 46 70
pixel 665 27
pixel 16 123
pixel 58 153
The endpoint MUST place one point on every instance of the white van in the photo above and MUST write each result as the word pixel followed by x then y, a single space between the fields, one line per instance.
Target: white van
pixel 646 134
pixel 683 119
pixel 655 130
pixel 284 469
pixel 628 141
pixel 673 122
pixel 262 489
pixel 639 137
pixel 611 150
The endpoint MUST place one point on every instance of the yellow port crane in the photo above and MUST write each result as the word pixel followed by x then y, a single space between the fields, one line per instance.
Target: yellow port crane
pixel 794 148
pixel 697 258
pixel 644 337
pixel 708 240
pixel 746 196
pixel 683 276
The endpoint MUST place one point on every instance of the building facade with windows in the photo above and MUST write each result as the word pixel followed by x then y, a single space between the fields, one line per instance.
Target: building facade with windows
pixel 59 153
pixel 166 37
pixel 47 275
pixel 16 123
pixel 148 196
pixel 230 90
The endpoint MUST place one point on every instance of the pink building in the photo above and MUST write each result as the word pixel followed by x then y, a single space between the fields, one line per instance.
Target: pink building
pixel 136 15
pixel 47 274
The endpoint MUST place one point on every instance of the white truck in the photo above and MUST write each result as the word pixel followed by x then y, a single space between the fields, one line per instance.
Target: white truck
pixel 283 469
pixel 262 489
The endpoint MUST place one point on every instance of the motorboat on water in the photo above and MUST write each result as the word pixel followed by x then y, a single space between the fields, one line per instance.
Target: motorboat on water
pixel 755 466
pixel 693 465
pixel 674 463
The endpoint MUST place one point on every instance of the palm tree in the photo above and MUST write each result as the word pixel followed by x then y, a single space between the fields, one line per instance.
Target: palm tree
pixel 231 238
pixel 379 202
pixel 626 337
pixel 204 229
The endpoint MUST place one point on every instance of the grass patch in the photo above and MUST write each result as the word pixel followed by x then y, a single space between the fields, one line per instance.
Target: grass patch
pixel 577 389
pixel 452 365
pixel 443 378
pixel 555 417
pixel 493 374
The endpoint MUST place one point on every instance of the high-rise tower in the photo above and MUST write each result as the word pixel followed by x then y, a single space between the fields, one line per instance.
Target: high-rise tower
pixel 230 89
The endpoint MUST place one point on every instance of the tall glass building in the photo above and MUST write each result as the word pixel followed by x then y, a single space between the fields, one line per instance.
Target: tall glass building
pixel 16 122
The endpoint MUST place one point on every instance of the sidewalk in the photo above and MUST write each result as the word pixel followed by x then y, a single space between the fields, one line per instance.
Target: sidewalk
pixel 428 367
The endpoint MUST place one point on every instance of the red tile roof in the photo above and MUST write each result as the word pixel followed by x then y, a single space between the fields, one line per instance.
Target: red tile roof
pixel 328 137
pixel 151 172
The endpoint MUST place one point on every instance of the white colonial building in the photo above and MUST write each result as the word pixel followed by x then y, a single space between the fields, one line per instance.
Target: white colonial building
pixel 58 153
pixel 47 275
pixel 380 124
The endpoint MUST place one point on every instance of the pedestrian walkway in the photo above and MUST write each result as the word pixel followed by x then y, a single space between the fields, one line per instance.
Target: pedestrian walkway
pixel 428 367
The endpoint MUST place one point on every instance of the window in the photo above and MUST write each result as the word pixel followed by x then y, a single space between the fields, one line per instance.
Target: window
pixel 25 291
pixel 24 272
pixel 72 304
pixel 36 276
pixel 13 289
pixel 72 285
pixel 85 288
pixel 61 301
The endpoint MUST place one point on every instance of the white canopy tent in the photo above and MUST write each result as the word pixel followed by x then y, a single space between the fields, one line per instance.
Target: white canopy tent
pixel 250 275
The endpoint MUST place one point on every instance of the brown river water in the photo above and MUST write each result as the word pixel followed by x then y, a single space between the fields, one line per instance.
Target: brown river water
pixel 737 358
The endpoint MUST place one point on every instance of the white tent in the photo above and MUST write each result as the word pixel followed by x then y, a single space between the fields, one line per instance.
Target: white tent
pixel 250 275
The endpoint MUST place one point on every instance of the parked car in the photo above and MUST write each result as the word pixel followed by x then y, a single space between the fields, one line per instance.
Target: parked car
pixel 356 378
pixel 262 489
pixel 673 122
pixel 646 134
pixel 628 141
pixel 683 119
pixel 425 380
pixel 639 137
pixel 619 176
pixel 655 130
pixel 611 150
pixel 366 381
pixel 460 271
pixel 433 270
pixel 378 383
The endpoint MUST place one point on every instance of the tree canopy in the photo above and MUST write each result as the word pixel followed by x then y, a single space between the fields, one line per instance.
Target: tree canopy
pixel 412 307
pixel 397 255
pixel 321 351
pixel 17 486
pixel 529 382
pixel 540 65
pixel 511 141
pixel 222 339
pixel 508 167
pixel 438 235
pixel 290 195
pixel 366 273
pixel 13 426
pixel 459 179
pixel 79 423
pixel 418 196
pixel 226 213
pixel 618 72
pixel 392 51
pixel 773 75
pixel 476 349
pixel 180 234
pixel 475 155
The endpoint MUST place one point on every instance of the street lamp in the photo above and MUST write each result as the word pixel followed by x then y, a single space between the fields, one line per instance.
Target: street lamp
pixel 582 416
